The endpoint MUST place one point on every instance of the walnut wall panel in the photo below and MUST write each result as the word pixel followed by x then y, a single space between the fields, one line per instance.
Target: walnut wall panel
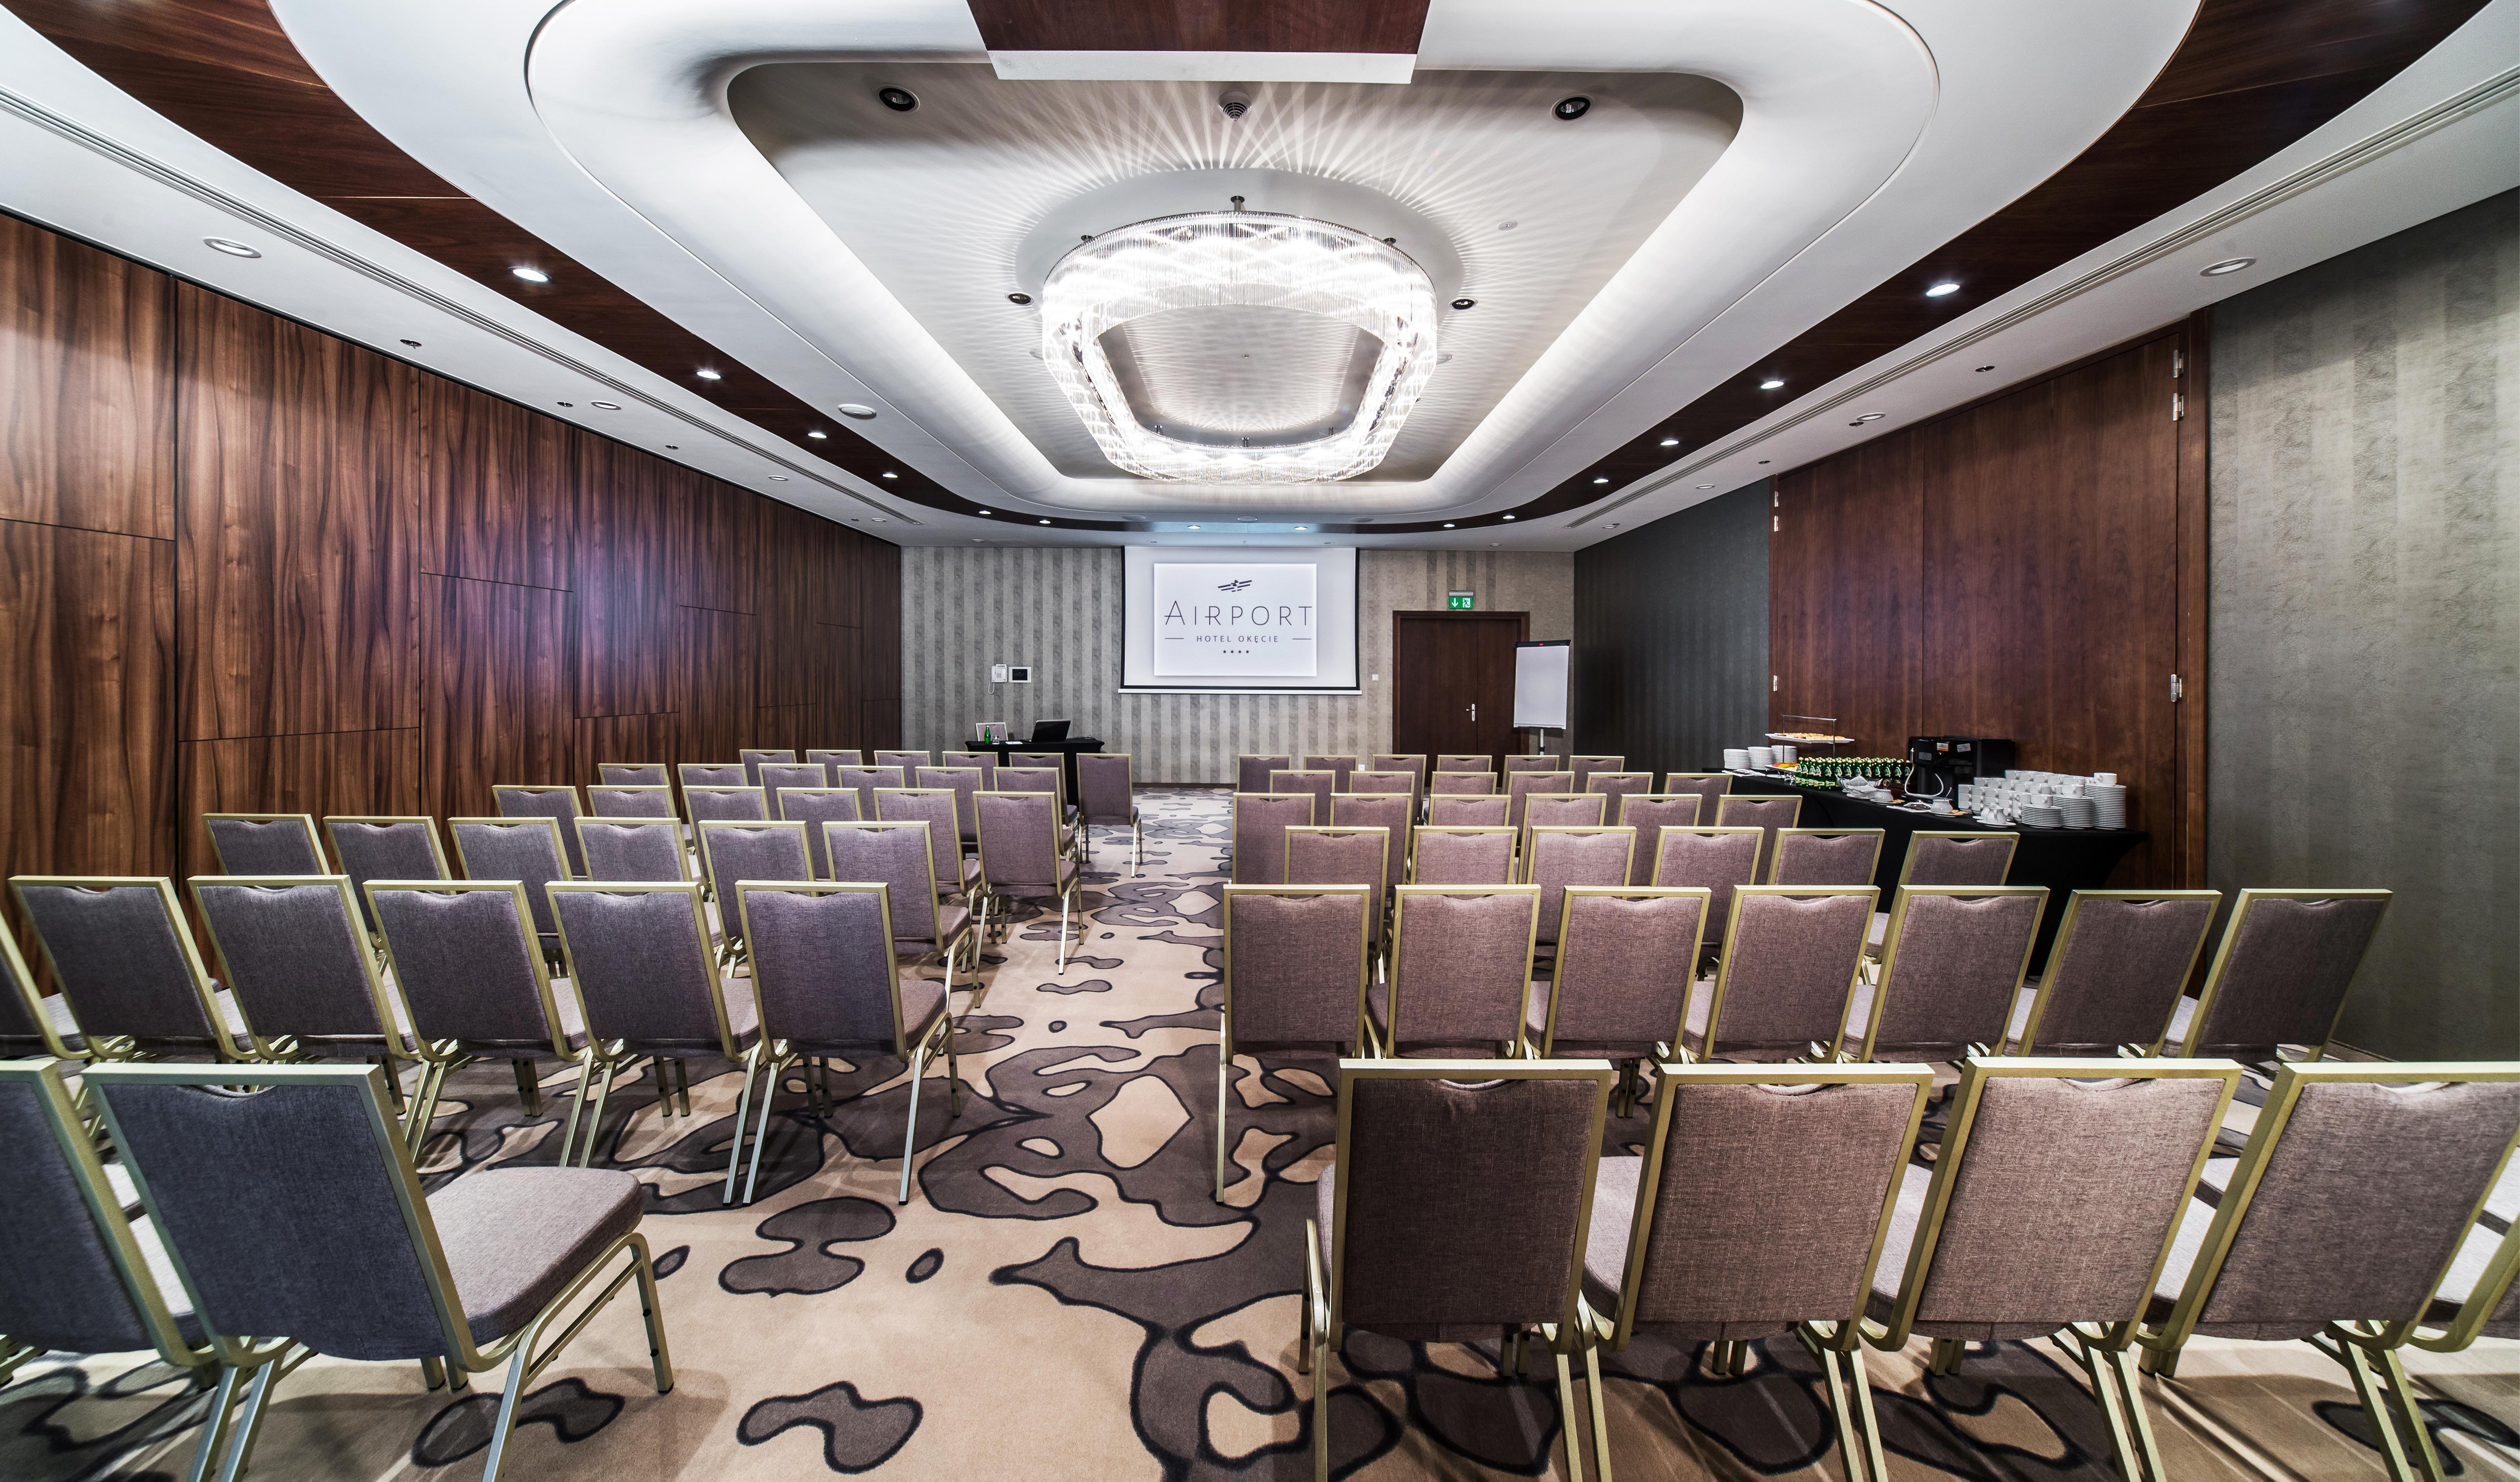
pixel 714 680
pixel 1845 587
pixel 497 702
pixel 604 739
pixel 87 399
pixel 623 563
pixel 370 772
pixel 498 486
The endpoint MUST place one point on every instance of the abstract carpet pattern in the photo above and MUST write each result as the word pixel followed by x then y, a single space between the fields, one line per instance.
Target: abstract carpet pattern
pixel 1062 1298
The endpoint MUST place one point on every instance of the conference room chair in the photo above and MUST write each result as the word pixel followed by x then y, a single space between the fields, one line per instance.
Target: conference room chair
pixel 1322 785
pixel 956 874
pixel 1620 987
pixel 1456 762
pixel 866 780
pixel 1649 813
pixel 777 777
pixel 1328 854
pixel 556 802
pixel 734 851
pixel 1451 854
pixel 1053 781
pixel 633 774
pixel 826 983
pixel 1459 972
pixel 1709 786
pixel 1582 768
pixel 265 843
pixel 709 805
pixel 1341 767
pixel 640 959
pixel 1617 787
pixel 2049 1214
pixel 1296 960
pixel 1057 761
pixel 814 807
pixel 2357 1188
pixel 296 953
pixel 1260 823
pixel 1025 855
pixel 2120 961
pixel 1387 810
pixel 1400 761
pixel 1462 785
pixel 1410 1237
pixel 121 952
pixel 380 847
pixel 832 759
pixel 963 783
pixel 1734 1150
pixel 1486 811
pixel 986 762
pixel 1520 786
pixel 715 775
pixel 522 849
pixel 2280 976
pixel 1769 815
pixel 1560 810
pixel 1825 857
pixel 2478 1297
pixel 754 758
pixel 468 961
pixel 1366 779
pixel 926 923
pixel 1721 860
pixel 295 1215
pixel 1555 857
pixel 1516 766
pixel 1950 971
pixel 1251 770
pixel 33 1022
pixel 906 761
pixel 1784 981
pixel 1958 859
pixel 653 850
pixel 1106 797
pixel 638 800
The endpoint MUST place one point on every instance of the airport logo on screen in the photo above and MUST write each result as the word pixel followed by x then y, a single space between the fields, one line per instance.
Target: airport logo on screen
pixel 1235 621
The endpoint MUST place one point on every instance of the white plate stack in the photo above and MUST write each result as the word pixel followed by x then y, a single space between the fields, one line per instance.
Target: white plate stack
pixel 2080 811
pixel 2110 801
pixel 1736 759
pixel 1761 757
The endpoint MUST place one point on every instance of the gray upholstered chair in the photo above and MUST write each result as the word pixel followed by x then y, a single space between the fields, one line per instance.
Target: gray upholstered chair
pixel 1618 787
pixel 1406 1239
pixel 1650 813
pixel 2279 977
pixel 1251 770
pixel 292 1211
pixel 526 850
pixel 468 963
pixel 908 761
pixel 1521 766
pixel 1053 781
pixel 832 759
pixel 713 775
pixel 1341 767
pixel 121 954
pixel 1260 823
pixel 1464 762
pixel 755 758
pixel 826 983
pixel 1106 797
pixel 1462 785
pixel 1322 785
pixel 1583 767
pixel 777 777
pixel 964 783
pixel 984 762
pixel 709 805
pixel 1056 760
pixel 1978 858
pixel 1389 784
pixel 1415 764
pixel 639 958
pixel 2120 961
pixel 1622 979
pixel 1461 971
pixel 1297 959
pixel 632 800
pixel 1750 1152
pixel 1387 810
pixel 1562 810
pixel 1520 786
pixel 1768 814
pixel 867 780
pixel 1710 787
pixel 1025 855
pixel 1825 857
pixel 32 1021
pixel 940 810
pixel 1785 976
pixel 385 848
pixel 651 849
pixel 2479 1297
pixel 2049 1214
pixel 1324 854
pixel 1482 811
pixel 814 807
pixel 1455 854
pixel 733 852
pixel 899 856
pixel 1555 857
pixel 2349 1203
pixel 295 952
pixel 558 803
pixel 265 843
pixel 633 774
pixel 1950 971
pixel 1723 860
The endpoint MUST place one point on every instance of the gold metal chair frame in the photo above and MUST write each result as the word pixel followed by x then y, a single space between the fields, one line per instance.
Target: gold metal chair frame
pixel 436 844
pixel 971 932
pixel 1662 842
pixel 2369 1350
pixel 1385 1043
pixel 577 803
pixel 31 998
pixel 1234 819
pixel 1626 798
pixel 286 1048
pixel 104 1049
pixel 1872 866
pixel 1555 763
pixel 1725 778
pixel 967 816
pixel 1529 862
pixel 2104 1350
pixel 1724 967
pixel 263 1360
pixel 1224 1050
pixel 1382 867
pixel 683 775
pixel 2012 848
pixel 1061 847
pixel 1885 977
pixel 314 840
pixel 682 840
pixel 1600 803
pixel 1490 791
pixel 1137 825
pixel 1322 1315
pixel 2492 1284
pixel 1422 830
pixel 730 942
pixel 1630 1088
pixel 777 1055
pixel 560 846
pixel 1075 837
pixel 604 781
pixel 962 883
pixel 2064 941
pixel 2248 897
pixel 671 810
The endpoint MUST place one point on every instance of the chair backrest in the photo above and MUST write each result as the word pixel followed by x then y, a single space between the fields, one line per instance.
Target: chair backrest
pixel 635 800
pixel 295 952
pixel 1708 785
pixel 704 805
pixel 1031 780
pixel 1251 770
pixel 1339 767
pixel 1825 856
pixel 1520 786
pixel 1322 785
pixel 898 855
pixel 1483 812
pixel 265 843
pixel 733 852
pixel 940 810
pixel 983 762
pixel 1400 761
pixel 1768 814
pixel 1459 762
pixel 2115 973
pixel 1517 766
pixel 831 759
pixel 1958 859
pixel 120 951
pixel 2281 973
pixel 465 958
pixel 1462 784
pixel 633 774
pixel 1019 840
pixel 1618 786
pixel 2057 1192
pixel 778 776
pixel 1106 791
pixel 823 972
pixel 1295 961
pixel 30 1022
pixel 1460 966
pixel 647 849
pixel 1554 858
pixel 385 848
pixel 639 958
pixel 1378 810
pixel 1052 759
pixel 814 807
pixel 1952 966
pixel 753 759
pixel 1460 854
pixel 906 761
pixel 715 775
pixel 1650 813
pixel 1563 810
pixel 557 803
pixel 2355 1190
pixel 963 783
pixel 1429 1155
pixel 1790 956
pixel 1723 860
pixel 1260 823
pixel 1323 854
pixel 1404 784
pixel 1626 956
pixel 522 849
pixel 866 781
pixel 1583 767
pixel 1817 1149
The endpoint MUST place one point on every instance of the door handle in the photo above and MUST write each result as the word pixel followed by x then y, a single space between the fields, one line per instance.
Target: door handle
pixel 1474 712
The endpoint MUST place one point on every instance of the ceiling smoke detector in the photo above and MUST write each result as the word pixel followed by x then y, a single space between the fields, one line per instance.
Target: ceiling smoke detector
pixel 900 100
pixel 1235 104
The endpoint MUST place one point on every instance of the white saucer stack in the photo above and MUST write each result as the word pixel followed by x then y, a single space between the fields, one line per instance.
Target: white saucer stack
pixel 1736 759
pixel 2111 803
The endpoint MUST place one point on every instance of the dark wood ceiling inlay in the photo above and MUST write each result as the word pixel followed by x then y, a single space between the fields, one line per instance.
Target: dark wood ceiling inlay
pixel 1202 26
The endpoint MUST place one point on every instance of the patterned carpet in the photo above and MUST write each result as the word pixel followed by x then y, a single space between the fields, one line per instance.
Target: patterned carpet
pixel 1062 1298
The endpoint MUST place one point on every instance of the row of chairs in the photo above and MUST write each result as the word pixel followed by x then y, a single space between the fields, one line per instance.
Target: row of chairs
pixel 1251 769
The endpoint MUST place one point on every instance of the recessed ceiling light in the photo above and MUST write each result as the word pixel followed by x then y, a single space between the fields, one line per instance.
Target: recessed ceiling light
pixel 977 540
pixel 900 100
pixel 708 375
pixel 1508 226
pixel 610 406
pixel 531 275
pixel 1771 384
pixel 1572 109
pixel 1671 442
pixel 2226 265
pixel 1706 487
pixel 889 474
pixel 568 403
pixel 816 432
pixel 1018 298
pixel 1600 480
pixel 1509 516
pixel 1867 416
pixel 1246 519
pixel 413 344
pixel 673 447
pixel 1764 461
pixel 229 246
pixel 1982 370
pixel 1447 524
pixel 1465 303
pixel 1194 527
pixel 1943 290
pixel 777 478
pixel 1299 527
pixel 855 411
pixel 1045 522
pixel 988 511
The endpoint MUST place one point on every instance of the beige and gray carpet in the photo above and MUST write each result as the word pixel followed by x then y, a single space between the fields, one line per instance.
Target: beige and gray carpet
pixel 1063 1300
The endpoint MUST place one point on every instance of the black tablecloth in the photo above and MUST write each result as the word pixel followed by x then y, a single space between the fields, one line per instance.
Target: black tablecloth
pixel 2064 860
pixel 1070 748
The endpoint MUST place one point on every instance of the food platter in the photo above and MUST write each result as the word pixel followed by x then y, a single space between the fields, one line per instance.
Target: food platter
pixel 1810 739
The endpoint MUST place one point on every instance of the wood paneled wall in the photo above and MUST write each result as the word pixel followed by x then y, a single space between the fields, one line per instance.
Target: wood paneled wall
pixel 2012 569
pixel 248 567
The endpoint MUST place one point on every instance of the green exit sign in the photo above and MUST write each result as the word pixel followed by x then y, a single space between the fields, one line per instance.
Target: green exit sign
pixel 1463 601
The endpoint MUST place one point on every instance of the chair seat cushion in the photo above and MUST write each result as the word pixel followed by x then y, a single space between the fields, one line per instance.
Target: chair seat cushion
pixel 921 1000
pixel 56 1013
pixel 514 1236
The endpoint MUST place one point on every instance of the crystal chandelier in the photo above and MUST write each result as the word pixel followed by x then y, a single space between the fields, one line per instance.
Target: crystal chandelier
pixel 1240 258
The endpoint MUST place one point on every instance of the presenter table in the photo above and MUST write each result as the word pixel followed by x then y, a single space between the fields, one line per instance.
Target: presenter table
pixel 1070 748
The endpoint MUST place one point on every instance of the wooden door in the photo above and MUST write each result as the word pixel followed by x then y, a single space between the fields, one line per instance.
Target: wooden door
pixel 1451 682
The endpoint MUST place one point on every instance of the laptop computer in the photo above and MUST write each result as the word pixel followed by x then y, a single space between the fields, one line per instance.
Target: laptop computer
pixel 1045 732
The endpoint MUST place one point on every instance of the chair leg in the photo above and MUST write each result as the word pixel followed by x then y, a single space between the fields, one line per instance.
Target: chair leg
pixel 660 1358
pixel 514 1390
pixel 576 1107
pixel 1063 902
pixel 604 1072
pixel 1223 1076
pixel 250 1425
pixel 1566 1412
pixel 393 1081
pixel 910 1123
pixel 1947 1356
pixel 760 1133
pixel 215 1426
pixel 751 1069
pixel 530 1088
pixel 1137 832
pixel 1600 1415
pixel 2383 1411
pixel 2410 1415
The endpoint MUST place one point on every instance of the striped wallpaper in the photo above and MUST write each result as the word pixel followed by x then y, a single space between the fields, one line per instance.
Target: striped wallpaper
pixel 1058 611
